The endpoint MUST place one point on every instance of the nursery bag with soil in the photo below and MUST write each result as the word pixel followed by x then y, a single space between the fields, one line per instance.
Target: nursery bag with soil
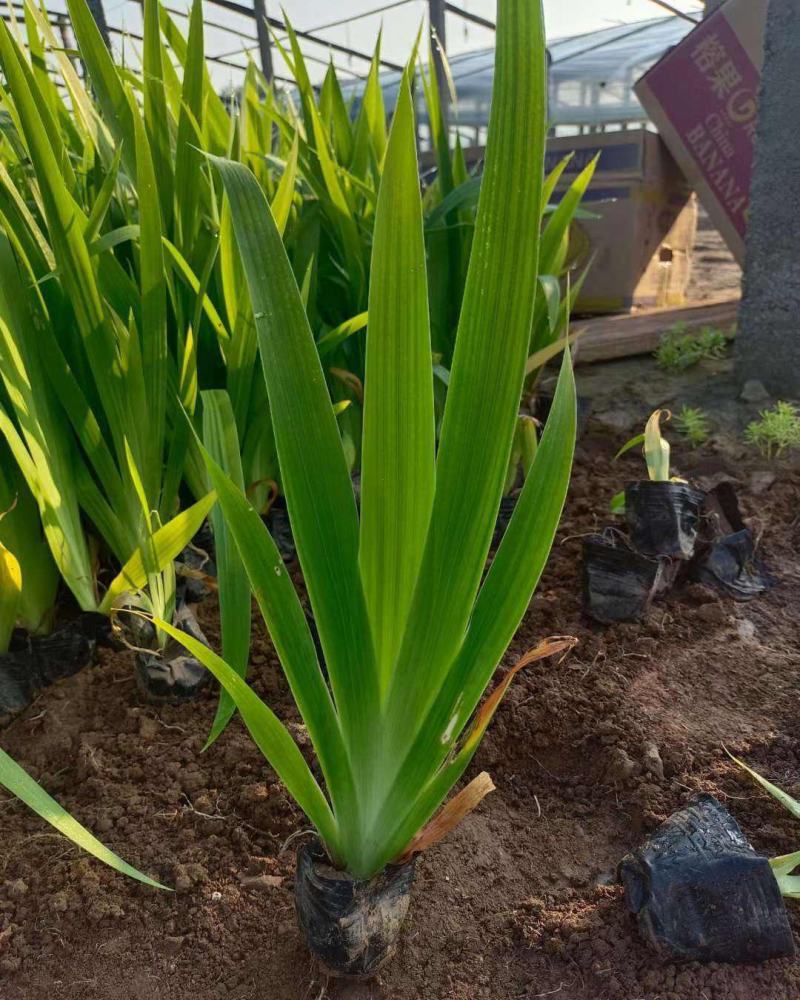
pixel 280 527
pixel 543 403
pixel 34 662
pixel 173 675
pixel 197 577
pixel 618 583
pixel 507 506
pixel 350 925
pixel 727 560
pixel 663 517
pixel 701 893
pixel 730 565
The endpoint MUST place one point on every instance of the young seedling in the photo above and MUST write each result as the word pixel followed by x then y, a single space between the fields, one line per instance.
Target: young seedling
pixel 693 424
pixel 776 431
pixel 656 450
pixel 10 594
pixel 662 512
pixel 28 575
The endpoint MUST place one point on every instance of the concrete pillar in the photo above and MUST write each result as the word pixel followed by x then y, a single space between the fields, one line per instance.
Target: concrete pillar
pixel 768 337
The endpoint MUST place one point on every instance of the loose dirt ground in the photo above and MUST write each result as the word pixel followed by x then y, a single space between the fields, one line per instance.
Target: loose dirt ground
pixel 587 755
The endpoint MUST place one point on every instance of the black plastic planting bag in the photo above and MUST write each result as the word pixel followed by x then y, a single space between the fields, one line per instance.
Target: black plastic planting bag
pixel 663 518
pixel 33 662
pixel 351 926
pixel 197 575
pixel 173 675
pixel 730 565
pixel 618 583
pixel 507 507
pixel 277 521
pixel 700 892
pixel 721 509
pixel 726 559
pixel 543 403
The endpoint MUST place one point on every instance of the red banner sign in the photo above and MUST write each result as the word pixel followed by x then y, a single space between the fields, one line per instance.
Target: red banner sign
pixel 708 88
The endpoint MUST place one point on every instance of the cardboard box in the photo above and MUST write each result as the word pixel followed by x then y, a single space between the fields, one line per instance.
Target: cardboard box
pixel 642 240
pixel 702 97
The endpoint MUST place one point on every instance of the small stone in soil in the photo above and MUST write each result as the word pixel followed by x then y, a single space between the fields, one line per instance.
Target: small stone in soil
pixel 620 766
pixel 753 391
pixel 59 901
pixel 172 945
pixel 263 882
pixel 652 761
pixel 148 728
pixel 745 629
pixel 712 614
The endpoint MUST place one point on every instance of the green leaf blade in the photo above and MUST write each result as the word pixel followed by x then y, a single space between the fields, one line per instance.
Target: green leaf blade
pixel 488 366
pixel 221 440
pixel 313 468
pixel 501 604
pixel 397 492
pixel 21 784
pixel 155 356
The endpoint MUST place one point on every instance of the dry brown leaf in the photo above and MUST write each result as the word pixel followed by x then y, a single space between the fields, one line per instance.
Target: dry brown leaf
pixel 450 815
pixel 547 647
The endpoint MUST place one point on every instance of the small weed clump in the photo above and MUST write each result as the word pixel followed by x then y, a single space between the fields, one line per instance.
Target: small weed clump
pixel 693 424
pixel 679 350
pixel 776 430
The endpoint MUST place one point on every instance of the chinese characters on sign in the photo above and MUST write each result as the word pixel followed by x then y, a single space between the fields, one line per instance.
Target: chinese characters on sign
pixel 708 89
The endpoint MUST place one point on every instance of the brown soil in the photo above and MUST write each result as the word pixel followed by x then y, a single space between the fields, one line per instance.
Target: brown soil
pixel 588 756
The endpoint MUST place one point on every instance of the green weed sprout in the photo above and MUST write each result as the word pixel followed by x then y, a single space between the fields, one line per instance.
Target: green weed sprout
pixel 693 424
pixel 776 430
pixel 679 350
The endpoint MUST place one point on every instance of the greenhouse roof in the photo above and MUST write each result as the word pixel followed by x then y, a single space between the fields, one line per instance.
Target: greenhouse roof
pixel 591 75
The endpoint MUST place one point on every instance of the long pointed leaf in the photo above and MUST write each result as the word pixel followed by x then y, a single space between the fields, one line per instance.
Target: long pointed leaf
pixel 271 737
pixel 488 367
pixel 397 464
pixel 21 784
pixel 221 440
pixel 313 469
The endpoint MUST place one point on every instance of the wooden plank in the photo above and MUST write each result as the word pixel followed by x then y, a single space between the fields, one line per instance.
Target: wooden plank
pixel 610 337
